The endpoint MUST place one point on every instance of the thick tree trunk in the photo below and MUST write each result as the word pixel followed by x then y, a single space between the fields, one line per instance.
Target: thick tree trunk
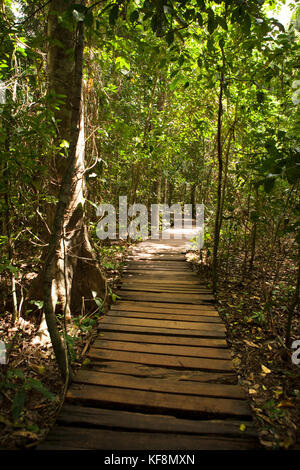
pixel 75 272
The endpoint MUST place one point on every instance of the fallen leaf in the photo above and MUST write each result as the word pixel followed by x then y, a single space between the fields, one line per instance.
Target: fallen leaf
pixel 5 421
pixel 250 343
pixel 265 369
pixel 268 444
pixel 242 427
pixel 86 361
pixel 236 362
pixel 287 443
pixel 26 434
pixel 252 391
pixel 286 404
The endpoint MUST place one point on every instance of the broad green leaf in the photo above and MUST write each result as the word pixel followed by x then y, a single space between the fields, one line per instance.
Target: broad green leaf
pixel 200 20
pixel 113 14
pixel 134 16
pixel 18 403
pixel 170 37
pixel 38 303
pixel 211 24
pixel 37 385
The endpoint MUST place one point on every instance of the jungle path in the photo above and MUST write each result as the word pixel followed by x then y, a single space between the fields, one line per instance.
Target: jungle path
pixel 161 374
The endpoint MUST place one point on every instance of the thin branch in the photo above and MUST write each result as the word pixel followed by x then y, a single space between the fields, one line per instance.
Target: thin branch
pixel 32 14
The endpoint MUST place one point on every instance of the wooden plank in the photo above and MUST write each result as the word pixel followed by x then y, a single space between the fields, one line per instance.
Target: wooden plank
pixel 158 265
pixel 165 316
pixel 189 351
pixel 150 288
pixel 161 274
pixel 160 297
pixel 159 270
pixel 160 286
pixel 163 339
pixel 68 438
pixel 165 275
pixel 143 370
pixel 200 333
pixel 75 415
pixel 157 402
pixel 164 360
pixel 156 385
pixel 214 328
pixel 162 282
pixel 157 257
pixel 164 307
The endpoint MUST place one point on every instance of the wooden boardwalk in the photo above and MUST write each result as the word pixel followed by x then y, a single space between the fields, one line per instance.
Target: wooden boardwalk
pixel 161 375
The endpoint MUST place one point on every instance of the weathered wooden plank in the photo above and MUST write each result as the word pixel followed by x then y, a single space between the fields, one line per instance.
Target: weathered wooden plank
pixel 157 402
pixel 159 297
pixel 75 415
pixel 160 274
pixel 163 339
pixel 189 351
pixel 164 360
pixel 162 289
pixel 68 438
pixel 135 280
pixel 143 370
pixel 214 328
pixel 200 333
pixel 165 265
pixel 165 316
pixel 164 307
pixel 156 385
pixel 157 257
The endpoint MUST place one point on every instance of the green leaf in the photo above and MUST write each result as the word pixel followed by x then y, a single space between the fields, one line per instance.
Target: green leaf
pixel 64 144
pixel 37 385
pixel 98 302
pixel 38 303
pixel 222 22
pixel 170 37
pixel 200 20
pixel 269 184
pixel 211 25
pixel 18 403
pixel 201 4
pixel 162 63
pixel 113 15
pixel 89 18
pixel 13 269
pixel 18 373
pixel 246 25
pixel 222 43
pixel 134 16
pixel 122 63
pixel 114 297
pixel 79 16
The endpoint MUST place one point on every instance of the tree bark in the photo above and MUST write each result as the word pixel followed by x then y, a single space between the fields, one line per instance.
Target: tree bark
pixel 71 271
pixel 219 188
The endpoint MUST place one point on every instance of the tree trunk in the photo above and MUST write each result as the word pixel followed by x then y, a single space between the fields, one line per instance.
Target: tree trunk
pixel 70 269
pixel 219 188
